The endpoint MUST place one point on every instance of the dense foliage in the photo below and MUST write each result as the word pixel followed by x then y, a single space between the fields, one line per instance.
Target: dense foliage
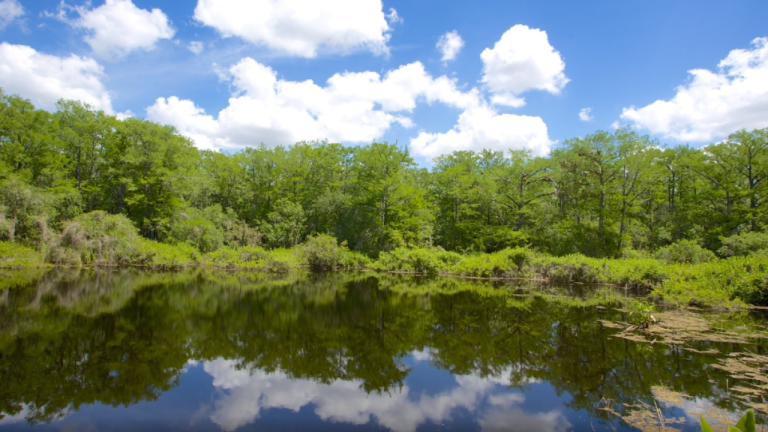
pixel 79 187
pixel 598 195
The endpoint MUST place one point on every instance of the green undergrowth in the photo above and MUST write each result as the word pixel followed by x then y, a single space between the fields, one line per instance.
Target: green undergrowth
pixel 14 256
pixel 726 282
pixel 680 274
pixel 685 276
pixel 254 258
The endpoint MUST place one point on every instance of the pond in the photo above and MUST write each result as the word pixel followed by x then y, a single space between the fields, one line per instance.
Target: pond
pixel 125 350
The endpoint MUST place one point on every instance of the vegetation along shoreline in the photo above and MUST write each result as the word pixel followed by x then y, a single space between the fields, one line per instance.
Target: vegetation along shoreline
pixel 80 188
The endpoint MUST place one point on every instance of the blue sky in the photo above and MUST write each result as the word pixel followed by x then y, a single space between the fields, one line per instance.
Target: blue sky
pixel 234 73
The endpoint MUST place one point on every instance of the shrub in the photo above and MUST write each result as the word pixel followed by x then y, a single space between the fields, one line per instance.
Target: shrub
pixel 508 262
pixel 570 268
pixel 323 252
pixel 95 238
pixel 737 279
pixel 13 255
pixel 243 257
pixel 200 233
pixel 418 260
pixel 354 260
pixel 743 244
pixel 644 272
pixel 684 251
pixel 153 254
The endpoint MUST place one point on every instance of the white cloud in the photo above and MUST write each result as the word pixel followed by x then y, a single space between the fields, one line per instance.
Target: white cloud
pixel 425 354
pixel 393 17
pixel 449 45
pixel 19 417
pixel 516 420
pixel 124 115
pixel 352 107
pixel 522 60
pixel 9 11
pixel 118 27
pixel 301 27
pixel 248 393
pixel 44 78
pixel 483 128
pixel 713 104
pixel 585 114
pixel 189 119
pixel 196 47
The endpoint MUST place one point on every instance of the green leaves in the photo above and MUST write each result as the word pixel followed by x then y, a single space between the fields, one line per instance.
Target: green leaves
pixel 745 424
pixel 705 427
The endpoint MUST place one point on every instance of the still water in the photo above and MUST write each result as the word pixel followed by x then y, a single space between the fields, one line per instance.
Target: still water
pixel 127 350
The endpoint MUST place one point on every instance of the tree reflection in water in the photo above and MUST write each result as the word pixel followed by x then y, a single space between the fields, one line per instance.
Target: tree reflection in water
pixel 343 344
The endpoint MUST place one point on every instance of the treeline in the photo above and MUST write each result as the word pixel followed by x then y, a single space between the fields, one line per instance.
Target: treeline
pixel 602 195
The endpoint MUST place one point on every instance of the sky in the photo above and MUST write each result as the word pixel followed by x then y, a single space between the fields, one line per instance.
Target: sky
pixel 431 76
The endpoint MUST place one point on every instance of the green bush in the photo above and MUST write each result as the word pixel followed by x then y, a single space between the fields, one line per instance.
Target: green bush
pixel 153 254
pixel 244 257
pixel 95 238
pixel 635 273
pixel 721 282
pixel 200 233
pixel 684 251
pixel 254 257
pixel 744 244
pixel 505 263
pixel 323 252
pixel 24 213
pixel 419 260
pixel 569 268
pixel 14 256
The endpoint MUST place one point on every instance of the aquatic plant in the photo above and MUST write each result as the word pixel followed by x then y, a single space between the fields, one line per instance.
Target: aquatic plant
pixel 745 424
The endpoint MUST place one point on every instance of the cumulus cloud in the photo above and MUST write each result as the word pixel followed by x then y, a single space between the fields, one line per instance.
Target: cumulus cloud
pixel 301 27
pixel 44 78
pixel 351 107
pixel 118 27
pixel 585 114
pixel 483 128
pixel 9 11
pixel 248 393
pixel 522 60
pixel 713 104
pixel 449 45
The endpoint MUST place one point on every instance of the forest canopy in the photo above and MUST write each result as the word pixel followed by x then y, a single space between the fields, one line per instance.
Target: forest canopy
pixel 606 194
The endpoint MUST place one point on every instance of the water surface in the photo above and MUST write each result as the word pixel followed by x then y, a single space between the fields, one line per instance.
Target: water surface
pixel 207 351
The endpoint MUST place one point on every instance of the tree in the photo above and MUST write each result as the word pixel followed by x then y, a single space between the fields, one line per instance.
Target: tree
pixel 148 173
pixel 284 226
pixel 523 184
pixel 751 152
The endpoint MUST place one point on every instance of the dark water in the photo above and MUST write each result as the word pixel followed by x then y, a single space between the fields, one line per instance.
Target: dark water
pixel 131 350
